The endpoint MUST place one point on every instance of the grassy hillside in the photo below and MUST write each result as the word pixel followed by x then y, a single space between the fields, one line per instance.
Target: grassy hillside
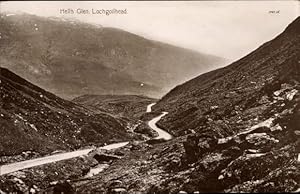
pixel 215 100
pixel 36 120
pixel 237 130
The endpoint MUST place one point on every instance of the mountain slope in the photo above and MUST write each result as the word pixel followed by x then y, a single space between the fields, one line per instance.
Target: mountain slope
pixel 71 58
pixel 225 93
pixel 36 120
pixel 236 129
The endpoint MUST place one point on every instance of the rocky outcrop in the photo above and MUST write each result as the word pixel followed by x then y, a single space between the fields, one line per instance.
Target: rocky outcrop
pixel 195 146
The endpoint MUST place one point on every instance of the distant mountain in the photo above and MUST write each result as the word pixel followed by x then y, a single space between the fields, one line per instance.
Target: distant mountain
pixel 36 120
pixel 71 58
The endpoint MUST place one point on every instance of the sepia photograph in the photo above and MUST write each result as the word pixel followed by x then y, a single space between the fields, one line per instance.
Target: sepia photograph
pixel 150 97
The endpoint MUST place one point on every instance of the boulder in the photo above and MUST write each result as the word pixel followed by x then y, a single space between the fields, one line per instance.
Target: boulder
pixel 195 146
pixel 115 183
pixel 63 187
pixel 191 148
pixel 259 139
pixel 297 132
pixel 116 187
pixel 182 192
pixel 105 157
pixel 118 191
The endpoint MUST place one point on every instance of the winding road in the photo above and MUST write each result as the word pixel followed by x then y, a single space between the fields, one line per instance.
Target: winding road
pixel 8 168
pixel 149 107
pixel 152 124
pixel 161 133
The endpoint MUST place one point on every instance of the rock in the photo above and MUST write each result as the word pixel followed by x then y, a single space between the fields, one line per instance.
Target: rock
pixel 174 163
pixel 116 187
pixel 191 131
pixel 53 182
pixel 297 132
pixel 259 139
pixel 32 190
pixel 267 123
pixel 19 185
pixel 276 93
pixel 277 127
pixel 118 191
pixel 105 157
pixel 153 157
pixel 210 120
pixel 18 174
pixel 254 155
pixel 224 140
pixel 63 187
pixel 203 144
pixel 214 107
pixel 212 161
pixel 251 151
pixel 119 153
pixel 297 191
pixel 290 95
pixel 264 99
pixel 221 177
pixel 115 184
pixel 135 145
pixel 191 148
pixel 182 192
pixel 246 186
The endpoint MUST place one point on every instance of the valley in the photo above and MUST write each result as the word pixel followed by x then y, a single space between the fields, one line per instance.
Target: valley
pixel 8 168
pixel 33 164
pixel 232 129
pixel 235 130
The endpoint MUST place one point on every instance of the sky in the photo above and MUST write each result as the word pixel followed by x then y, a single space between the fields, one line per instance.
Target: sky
pixel 229 29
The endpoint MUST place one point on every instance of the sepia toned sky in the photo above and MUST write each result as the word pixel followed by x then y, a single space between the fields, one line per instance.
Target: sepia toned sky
pixel 230 29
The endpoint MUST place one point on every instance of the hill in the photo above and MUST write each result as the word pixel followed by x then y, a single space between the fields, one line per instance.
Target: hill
pixel 33 119
pixel 71 58
pixel 131 106
pixel 236 130
pixel 222 95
